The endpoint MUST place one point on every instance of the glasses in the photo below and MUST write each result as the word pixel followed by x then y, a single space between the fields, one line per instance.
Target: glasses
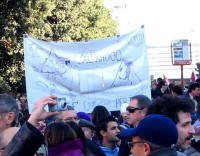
pixel 131 144
pixel 133 109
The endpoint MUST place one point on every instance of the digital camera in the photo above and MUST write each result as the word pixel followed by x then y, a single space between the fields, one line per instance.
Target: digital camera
pixel 60 106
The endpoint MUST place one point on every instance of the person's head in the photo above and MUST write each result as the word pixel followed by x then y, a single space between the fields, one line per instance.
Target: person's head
pixel 162 85
pixel 87 127
pixel 178 109
pixel 8 112
pixel 98 113
pixel 198 80
pixel 171 85
pixel 152 133
pixel 176 90
pixel 194 89
pixel 80 135
pixel 6 136
pixel 137 109
pixel 59 132
pixel 123 111
pixel 67 115
pixel 159 79
pixel 107 130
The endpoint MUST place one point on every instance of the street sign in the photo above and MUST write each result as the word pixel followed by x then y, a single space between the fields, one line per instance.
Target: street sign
pixel 181 52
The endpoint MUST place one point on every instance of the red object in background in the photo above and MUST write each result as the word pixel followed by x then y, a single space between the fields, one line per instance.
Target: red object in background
pixel 165 79
pixel 192 79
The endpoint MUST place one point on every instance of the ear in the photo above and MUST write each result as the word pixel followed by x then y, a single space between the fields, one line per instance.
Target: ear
pixel 147 148
pixel 144 112
pixel 9 118
pixel 103 133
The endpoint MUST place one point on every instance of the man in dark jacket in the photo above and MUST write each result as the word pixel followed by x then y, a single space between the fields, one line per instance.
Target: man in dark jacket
pixel 155 135
pixel 28 139
pixel 136 111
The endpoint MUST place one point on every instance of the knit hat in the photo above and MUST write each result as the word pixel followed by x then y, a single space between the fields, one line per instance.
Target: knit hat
pixel 83 115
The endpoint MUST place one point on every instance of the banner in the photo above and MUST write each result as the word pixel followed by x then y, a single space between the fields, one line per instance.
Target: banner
pixel 100 72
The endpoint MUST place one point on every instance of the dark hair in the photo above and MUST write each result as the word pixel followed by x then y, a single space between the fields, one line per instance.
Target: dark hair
pixel 170 106
pixel 143 101
pixel 159 79
pixel 80 135
pixel 193 86
pixel 99 113
pixel 59 132
pixel 103 125
pixel 198 80
pixel 161 83
pixel 171 85
pixel 177 89
pixel 9 104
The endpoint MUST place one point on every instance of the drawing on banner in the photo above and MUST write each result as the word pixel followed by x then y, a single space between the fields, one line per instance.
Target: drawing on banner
pixel 100 72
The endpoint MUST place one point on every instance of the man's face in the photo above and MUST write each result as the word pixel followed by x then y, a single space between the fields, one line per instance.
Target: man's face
pixel 196 92
pixel 69 115
pixel 112 131
pixel 135 117
pixel 185 130
pixel 2 123
pixel 138 148
pixel 6 120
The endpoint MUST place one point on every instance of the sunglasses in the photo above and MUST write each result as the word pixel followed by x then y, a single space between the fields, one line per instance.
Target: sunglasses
pixel 133 109
pixel 131 144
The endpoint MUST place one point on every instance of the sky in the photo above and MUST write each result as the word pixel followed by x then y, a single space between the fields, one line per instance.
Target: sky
pixel 164 20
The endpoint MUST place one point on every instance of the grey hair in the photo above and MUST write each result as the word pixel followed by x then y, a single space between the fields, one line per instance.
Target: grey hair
pixel 59 116
pixel 143 101
pixel 9 104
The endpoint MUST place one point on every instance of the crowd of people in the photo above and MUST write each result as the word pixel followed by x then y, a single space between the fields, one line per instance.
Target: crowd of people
pixel 168 124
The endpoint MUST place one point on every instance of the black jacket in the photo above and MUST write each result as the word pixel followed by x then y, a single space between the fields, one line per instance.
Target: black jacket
pixel 26 142
pixel 163 152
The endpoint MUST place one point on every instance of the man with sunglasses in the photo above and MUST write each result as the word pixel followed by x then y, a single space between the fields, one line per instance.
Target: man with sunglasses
pixel 136 111
pixel 155 135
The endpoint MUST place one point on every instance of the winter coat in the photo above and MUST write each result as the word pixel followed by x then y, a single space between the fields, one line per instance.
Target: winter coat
pixel 26 141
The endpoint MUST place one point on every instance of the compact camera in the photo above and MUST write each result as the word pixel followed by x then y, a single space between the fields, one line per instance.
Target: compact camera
pixel 60 106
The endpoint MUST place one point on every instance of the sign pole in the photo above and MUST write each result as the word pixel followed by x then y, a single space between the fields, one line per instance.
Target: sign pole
pixel 181 54
pixel 182 76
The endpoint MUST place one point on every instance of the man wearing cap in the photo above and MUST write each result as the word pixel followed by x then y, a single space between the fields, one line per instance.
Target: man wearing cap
pixel 136 111
pixel 155 135
pixel 178 109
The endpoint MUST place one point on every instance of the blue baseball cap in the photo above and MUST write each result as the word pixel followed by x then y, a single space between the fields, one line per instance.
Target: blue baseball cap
pixel 155 128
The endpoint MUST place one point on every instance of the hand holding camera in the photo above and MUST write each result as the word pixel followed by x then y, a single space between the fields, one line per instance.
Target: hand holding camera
pixel 60 106
pixel 39 113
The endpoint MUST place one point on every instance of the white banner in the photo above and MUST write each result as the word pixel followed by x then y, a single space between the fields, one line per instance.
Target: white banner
pixel 100 72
